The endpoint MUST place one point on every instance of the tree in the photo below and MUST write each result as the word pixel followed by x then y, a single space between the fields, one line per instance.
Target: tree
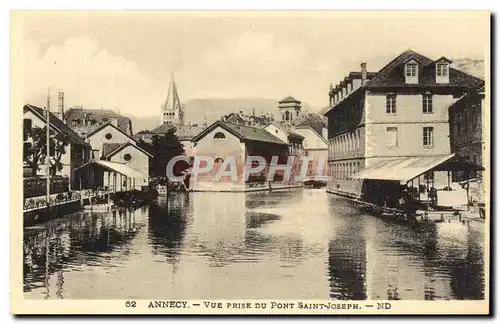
pixel 164 147
pixel 144 132
pixel 35 153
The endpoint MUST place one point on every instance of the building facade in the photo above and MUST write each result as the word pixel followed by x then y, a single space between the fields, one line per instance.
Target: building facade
pixel 315 147
pixel 110 143
pixel 76 153
pixel 222 140
pixel 467 130
pixel 399 112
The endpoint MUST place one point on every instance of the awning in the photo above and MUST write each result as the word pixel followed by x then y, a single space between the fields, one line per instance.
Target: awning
pixel 406 169
pixel 114 167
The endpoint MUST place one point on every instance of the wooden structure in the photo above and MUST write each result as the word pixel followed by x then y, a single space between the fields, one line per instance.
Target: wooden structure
pixel 398 173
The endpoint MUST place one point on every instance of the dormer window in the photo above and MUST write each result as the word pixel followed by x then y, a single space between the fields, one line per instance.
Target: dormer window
pixel 442 73
pixel 443 70
pixel 411 72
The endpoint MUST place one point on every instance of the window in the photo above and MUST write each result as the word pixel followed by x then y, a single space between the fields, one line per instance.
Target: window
pixel 411 70
pixel 428 139
pixel 219 135
pixel 26 128
pixel 219 161
pixel 427 104
pixel 108 136
pixel 127 157
pixel 390 104
pixel 442 70
pixel 392 136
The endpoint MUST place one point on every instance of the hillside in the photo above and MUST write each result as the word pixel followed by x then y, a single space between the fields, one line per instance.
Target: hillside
pixel 470 66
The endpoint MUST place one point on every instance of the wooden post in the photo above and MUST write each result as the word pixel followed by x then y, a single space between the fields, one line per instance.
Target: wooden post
pixel 449 183
pixel 81 193
pixel 428 193
pixel 467 190
pixel 109 189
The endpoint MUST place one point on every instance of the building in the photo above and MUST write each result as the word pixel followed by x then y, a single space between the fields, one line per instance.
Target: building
pixel 222 140
pixel 287 134
pixel 109 143
pixel 248 120
pixel 467 128
pixel 399 112
pixel 467 137
pixel 76 153
pixel 172 112
pixel 316 147
pixel 185 135
pixel 290 109
pixel 84 121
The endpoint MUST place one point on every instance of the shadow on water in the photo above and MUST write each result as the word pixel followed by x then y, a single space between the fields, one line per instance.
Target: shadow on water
pixel 168 219
pixel 376 259
pixel 82 238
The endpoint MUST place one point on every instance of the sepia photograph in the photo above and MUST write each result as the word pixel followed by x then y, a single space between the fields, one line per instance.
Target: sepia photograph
pixel 250 162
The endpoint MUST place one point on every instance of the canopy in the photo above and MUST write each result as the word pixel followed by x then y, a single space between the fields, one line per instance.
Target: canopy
pixel 114 167
pixel 406 169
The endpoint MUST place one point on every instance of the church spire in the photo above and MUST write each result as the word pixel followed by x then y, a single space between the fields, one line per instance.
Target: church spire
pixel 172 110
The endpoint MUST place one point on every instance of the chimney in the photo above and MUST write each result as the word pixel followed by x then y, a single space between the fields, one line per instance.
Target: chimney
pixel 363 73
pixel 60 105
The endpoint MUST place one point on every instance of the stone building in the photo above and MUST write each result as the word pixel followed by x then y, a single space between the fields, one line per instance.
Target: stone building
pixel 399 112
pixel 467 130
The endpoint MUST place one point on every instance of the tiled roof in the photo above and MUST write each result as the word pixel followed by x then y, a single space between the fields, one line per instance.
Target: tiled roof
pixel 109 147
pixel 392 75
pixel 122 146
pixel 102 126
pixel 56 123
pixel 245 133
pixel 100 116
pixel 187 133
pixel 289 99
pixel 163 129
pixel 286 129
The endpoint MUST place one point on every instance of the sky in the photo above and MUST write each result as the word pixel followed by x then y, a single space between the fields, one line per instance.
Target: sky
pixel 125 60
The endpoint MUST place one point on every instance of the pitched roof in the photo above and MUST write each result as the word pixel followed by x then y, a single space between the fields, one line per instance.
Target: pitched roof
pixel 289 99
pixel 245 133
pixel 100 116
pixel 314 132
pixel 106 125
pixel 187 133
pixel 109 147
pixel 124 145
pixel 392 75
pixel 55 122
pixel 163 129
pixel 288 132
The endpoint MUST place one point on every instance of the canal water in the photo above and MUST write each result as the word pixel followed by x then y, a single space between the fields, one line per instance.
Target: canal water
pixel 302 244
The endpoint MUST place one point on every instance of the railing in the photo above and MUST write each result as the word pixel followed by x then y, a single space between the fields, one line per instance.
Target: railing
pixel 37 186
pixel 40 202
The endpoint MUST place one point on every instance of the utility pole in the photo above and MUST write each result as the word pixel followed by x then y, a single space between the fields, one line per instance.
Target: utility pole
pixel 47 159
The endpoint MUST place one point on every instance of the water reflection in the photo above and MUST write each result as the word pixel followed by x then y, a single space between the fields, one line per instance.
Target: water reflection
pixel 284 245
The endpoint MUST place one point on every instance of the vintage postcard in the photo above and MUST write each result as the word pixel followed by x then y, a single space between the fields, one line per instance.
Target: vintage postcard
pixel 250 162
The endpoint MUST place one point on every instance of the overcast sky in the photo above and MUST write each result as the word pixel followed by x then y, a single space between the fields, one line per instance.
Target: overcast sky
pixel 124 60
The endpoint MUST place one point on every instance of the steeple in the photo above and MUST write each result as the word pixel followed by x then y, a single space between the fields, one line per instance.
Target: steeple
pixel 172 111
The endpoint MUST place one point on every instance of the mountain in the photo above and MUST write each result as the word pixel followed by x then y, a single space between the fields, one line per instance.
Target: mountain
pixel 196 110
pixel 470 66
